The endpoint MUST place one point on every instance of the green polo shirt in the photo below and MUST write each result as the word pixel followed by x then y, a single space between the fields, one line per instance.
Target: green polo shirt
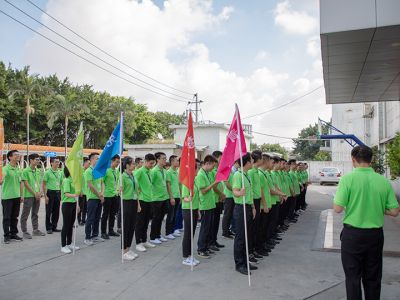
pixel 53 179
pixel 203 180
pixel 295 181
pixel 228 193
pixel 276 183
pixel 96 183
pixel 159 182
pixel 173 179
pixel 129 187
pixel 144 181
pixel 365 195
pixel 11 183
pixel 213 176
pixel 195 198
pixel 237 184
pixel 265 186
pixel 84 184
pixel 67 187
pixel 255 182
pixel 33 179
pixel 111 180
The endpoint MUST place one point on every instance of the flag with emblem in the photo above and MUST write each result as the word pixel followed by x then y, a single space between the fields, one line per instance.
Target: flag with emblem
pixel 188 159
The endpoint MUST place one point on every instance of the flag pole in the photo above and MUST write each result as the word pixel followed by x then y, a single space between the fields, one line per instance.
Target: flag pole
pixel 74 228
pixel 244 197
pixel 1 154
pixel 191 219
pixel 121 131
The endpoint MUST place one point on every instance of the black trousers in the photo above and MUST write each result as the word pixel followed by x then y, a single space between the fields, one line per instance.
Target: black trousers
pixel 292 206
pixel 186 241
pixel 362 261
pixel 82 209
pixel 10 216
pixel 52 209
pixel 205 234
pixel 130 212
pixel 229 204
pixel 142 222
pixel 239 244
pixel 110 209
pixel 93 218
pixel 216 220
pixel 262 232
pixel 255 226
pixel 171 215
pixel 274 214
pixel 159 211
pixel 283 211
pixel 68 212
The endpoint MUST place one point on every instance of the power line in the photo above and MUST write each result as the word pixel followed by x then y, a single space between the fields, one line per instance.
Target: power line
pixel 89 61
pixel 283 105
pixel 105 52
pixel 289 138
pixel 93 55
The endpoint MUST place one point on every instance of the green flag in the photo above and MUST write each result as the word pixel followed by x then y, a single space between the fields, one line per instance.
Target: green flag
pixel 75 161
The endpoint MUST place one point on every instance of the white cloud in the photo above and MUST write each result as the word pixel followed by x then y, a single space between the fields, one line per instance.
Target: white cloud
pixel 144 35
pixel 313 46
pixel 292 21
pixel 262 55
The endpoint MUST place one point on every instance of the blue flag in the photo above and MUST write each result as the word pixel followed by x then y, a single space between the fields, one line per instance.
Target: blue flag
pixel 113 147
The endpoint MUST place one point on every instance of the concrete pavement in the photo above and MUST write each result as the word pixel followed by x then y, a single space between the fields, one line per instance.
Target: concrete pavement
pixel 36 269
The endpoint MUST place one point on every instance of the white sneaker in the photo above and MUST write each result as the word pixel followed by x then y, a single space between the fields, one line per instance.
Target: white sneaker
pixel 127 256
pixel 177 233
pixel 141 248
pixel 162 239
pixel 156 242
pixel 88 242
pixel 196 262
pixel 170 237
pixel 188 262
pixel 71 247
pixel 66 250
pixel 97 239
pixel 180 230
pixel 135 255
pixel 149 245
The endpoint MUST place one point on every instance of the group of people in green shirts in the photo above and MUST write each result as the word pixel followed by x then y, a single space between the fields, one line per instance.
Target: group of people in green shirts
pixel 273 191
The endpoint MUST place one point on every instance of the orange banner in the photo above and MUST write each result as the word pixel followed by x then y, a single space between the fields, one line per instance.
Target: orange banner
pixel 1 147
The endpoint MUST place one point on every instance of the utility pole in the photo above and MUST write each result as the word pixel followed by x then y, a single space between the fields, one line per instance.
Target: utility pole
pixel 197 103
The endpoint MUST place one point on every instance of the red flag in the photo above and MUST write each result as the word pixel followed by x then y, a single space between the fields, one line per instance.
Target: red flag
pixel 188 160
pixel 234 148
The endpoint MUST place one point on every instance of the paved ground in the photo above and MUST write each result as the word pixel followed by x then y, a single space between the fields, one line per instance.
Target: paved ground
pixel 36 269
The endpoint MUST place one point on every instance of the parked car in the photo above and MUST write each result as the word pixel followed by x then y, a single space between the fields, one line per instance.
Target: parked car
pixel 329 175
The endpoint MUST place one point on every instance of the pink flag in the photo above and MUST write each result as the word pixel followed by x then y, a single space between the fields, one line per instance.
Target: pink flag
pixel 234 148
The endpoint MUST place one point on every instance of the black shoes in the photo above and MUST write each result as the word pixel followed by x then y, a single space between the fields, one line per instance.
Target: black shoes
pixel 219 245
pixel 56 230
pixel 256 255
pixel 228 236
pixel 16 238
pixel 253 267
pixel 214 248
pixel 242 270
pixel 203 254
pixel 113 233
pixel 105 236
pixel 49 231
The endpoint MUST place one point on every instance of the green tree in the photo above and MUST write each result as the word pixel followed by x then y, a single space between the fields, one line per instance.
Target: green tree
pixel 307 150
pixel 164 119
pixel 323 156
pixel 274 148
pixel 378 160
pixel 393 156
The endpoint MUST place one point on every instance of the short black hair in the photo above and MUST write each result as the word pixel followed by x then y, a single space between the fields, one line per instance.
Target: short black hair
pixel 362 154
pixel 217 153
pixel 158 155
pixel 33 156
pixel 276 159
pixel 292 161
pixel 92 154
pixel 66 172
pixel 210 159
pixel 52 159
pixel 171 158
pixel 149 157
pixel 85 159
pixel 116 156
pixel 256 155
pixel 127 160
pixel 11 153
pixel 138 160
pixel 245 158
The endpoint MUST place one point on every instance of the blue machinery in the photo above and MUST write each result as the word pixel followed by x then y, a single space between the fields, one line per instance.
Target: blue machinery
pixel 351 139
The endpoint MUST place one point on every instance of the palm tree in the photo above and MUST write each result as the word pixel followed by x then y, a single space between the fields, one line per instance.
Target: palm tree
pixel 62 108
pixel 27 87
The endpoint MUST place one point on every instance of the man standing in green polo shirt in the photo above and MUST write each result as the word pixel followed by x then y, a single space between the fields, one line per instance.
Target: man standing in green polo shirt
pixel 82 198
pixel 111 199
pixel 51 187
pixel 95 198
pixel 243 194
pixel 32 195
pixel 207 204
pixel 365 197
pixel 145 197
pixel 160 198
pixel 174 193
pixel 229 204
pixel 12 196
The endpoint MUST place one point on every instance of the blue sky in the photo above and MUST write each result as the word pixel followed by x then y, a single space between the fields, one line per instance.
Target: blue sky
pixel 256 46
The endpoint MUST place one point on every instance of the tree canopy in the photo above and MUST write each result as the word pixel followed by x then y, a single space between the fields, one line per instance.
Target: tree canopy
pixel 51 100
